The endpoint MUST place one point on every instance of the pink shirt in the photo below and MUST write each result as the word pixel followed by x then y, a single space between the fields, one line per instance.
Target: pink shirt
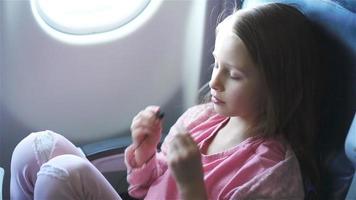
pixel 256 168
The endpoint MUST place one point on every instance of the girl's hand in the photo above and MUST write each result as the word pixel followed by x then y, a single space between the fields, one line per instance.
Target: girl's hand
pixel 146 130
pixel 184 161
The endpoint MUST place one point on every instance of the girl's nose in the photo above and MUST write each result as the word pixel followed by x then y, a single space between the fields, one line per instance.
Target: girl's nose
pixel 216 80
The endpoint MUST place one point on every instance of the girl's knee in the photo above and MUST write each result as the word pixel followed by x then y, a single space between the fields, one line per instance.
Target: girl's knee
pixel 64 166
pixel 62 176
pixel 53 180
pixel 37 147
pixel 27 157
pixel 65 169
pixel 31 153
pixel 72 177
pixel 43 146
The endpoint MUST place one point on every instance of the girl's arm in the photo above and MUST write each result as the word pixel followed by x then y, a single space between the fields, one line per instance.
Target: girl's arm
pixel 140 177
pixel 146 131
pixel 140 157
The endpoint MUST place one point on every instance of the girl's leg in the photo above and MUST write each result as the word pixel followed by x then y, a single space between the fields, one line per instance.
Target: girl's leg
pixel 33 151
pixel 72 177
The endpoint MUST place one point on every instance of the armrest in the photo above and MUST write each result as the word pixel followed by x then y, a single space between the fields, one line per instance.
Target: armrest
pixel 108 155
pixel 106 148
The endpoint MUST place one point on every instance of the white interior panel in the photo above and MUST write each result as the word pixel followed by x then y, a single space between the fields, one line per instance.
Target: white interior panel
pixel 91 91
pixel 94 89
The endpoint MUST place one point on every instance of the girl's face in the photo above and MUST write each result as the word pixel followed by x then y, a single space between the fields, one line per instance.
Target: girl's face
pixel 235 82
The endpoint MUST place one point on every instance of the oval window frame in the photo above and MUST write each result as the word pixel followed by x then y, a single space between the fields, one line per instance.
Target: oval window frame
pixel 120 29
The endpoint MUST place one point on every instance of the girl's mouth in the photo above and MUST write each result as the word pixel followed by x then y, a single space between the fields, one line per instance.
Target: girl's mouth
pixel 216 100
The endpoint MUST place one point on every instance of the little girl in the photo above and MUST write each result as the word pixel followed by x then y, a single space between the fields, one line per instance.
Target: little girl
pixel 252 141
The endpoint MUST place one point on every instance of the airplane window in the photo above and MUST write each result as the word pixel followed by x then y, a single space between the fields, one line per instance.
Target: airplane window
pixel 86 17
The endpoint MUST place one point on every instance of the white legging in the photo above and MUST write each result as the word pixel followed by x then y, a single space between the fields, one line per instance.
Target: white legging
pixel 45 165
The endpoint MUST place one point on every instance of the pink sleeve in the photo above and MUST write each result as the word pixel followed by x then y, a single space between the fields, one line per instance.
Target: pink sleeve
pixel 141 178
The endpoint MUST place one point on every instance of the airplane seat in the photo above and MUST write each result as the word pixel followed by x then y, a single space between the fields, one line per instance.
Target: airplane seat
pixel 336 22
pixel 350 149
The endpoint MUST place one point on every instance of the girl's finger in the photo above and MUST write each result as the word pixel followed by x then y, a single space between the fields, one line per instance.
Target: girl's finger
pixel 148 117
pixel 145 120
pixel 153 109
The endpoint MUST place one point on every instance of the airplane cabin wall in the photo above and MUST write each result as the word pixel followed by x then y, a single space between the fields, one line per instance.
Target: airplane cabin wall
pixel 91 92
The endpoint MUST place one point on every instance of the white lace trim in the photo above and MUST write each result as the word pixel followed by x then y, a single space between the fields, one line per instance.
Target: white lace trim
pixel 43 146
pixel 56 172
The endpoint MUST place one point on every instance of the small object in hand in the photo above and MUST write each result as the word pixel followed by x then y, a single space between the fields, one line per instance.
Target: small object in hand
pixel 160 115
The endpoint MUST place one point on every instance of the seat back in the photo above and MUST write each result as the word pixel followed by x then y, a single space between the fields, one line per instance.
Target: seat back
pixel 335 21
pixel 350 149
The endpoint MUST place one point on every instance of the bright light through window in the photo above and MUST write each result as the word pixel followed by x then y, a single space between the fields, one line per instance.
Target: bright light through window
pixel 84 17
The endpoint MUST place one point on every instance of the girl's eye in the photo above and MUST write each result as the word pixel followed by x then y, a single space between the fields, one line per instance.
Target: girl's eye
pixel 235 76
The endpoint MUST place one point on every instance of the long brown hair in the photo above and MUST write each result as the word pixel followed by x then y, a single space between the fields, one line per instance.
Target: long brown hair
pixel 281 41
